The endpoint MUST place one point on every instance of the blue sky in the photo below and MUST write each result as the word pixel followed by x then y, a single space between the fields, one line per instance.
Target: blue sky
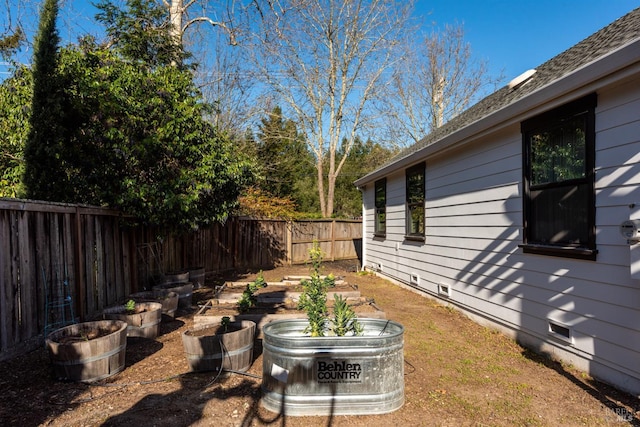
pixel 511 35
pixel 516 35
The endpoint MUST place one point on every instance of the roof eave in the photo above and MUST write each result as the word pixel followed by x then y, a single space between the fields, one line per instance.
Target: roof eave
pixel 577 83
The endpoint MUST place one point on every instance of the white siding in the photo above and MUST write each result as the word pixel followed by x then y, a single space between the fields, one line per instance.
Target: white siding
pixel 474 226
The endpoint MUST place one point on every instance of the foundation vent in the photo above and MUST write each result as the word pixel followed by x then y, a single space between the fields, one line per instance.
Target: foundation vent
pixel 444 290
pixel 560 331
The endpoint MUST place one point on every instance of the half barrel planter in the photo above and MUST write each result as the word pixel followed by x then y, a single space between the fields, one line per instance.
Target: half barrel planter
pixel 350 375
pixel 208 348
pixel 89 351
pixel 197 276
pixel 177 282
pixel 169 301
pixel 143 323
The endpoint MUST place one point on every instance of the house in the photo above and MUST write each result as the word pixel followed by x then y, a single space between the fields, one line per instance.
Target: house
pixel 512 211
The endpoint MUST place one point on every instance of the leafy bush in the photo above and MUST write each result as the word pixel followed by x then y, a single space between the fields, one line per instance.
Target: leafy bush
pixel 135 138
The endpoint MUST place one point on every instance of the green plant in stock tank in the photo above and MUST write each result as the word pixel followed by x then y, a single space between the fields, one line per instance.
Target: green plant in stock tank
pixel 345 320
pixel 313 301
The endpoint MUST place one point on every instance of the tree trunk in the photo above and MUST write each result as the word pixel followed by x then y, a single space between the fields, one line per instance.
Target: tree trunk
pixel 321 195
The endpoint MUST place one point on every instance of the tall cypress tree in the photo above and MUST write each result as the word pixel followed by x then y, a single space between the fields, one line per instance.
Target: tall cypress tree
pixel 45 176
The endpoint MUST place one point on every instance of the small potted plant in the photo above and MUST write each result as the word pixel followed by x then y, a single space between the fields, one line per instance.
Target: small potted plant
pixel 331 366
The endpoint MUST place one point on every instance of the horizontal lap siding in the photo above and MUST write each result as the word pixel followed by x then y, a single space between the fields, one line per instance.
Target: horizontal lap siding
pixel 617 295
pixel 474 226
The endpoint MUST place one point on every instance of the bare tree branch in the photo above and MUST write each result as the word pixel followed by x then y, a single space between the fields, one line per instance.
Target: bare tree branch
pixel 444 81
pixel 326 60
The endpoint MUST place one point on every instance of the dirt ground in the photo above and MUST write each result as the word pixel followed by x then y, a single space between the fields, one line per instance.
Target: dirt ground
pixel 457 373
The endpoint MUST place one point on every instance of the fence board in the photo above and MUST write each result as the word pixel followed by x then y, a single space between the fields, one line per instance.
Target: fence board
pixel 90 303
pixel 105 261
pixel 4 279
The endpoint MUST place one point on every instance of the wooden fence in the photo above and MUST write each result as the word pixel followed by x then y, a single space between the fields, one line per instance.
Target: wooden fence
pixel 61 262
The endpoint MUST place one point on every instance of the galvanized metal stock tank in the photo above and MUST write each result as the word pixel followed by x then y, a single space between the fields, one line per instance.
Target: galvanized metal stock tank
pixel 330 375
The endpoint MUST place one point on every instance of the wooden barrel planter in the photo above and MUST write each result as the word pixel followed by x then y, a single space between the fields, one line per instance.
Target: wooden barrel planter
pixel 141 323
pixel 184 291
pixel 176 277
pixel 209 348
pixel 196 276
pixel 88 351
pixel 169 301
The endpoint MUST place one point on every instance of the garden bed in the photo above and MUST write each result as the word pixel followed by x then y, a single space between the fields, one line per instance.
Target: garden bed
pixel 277 300
pixel 456 373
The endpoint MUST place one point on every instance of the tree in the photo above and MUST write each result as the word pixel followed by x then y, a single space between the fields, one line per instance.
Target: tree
pixel 154 30
pixel 227 86
pixel 15 111
pixel 282 154
pixel 134 137
pixel 257 203
pixel 141 31
pixel 363 158
pixel 443 81
pixel 327 61
pixel 138 141
pixel 45 175
pixel 182 18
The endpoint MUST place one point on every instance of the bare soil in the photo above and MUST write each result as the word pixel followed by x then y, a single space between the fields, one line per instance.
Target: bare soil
pixel 205 331
pixel 457 373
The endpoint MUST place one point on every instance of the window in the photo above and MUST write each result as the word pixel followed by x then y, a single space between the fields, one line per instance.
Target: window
pixel 415 202
pixel 558 176
pixel 380 225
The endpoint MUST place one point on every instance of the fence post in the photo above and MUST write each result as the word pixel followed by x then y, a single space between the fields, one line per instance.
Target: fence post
pixel 289 227
pixel 333 240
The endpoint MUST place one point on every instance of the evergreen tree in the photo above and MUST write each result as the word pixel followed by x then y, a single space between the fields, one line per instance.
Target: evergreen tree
pixel 45 175
pixel 111 130
pixel 363 158
pixel 15 111
pixel 140 143
pixel 285 160
pixel 141 31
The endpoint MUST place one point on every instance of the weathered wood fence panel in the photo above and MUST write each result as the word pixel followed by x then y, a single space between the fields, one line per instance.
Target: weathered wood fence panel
pixel 49 251
pixel 338 240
